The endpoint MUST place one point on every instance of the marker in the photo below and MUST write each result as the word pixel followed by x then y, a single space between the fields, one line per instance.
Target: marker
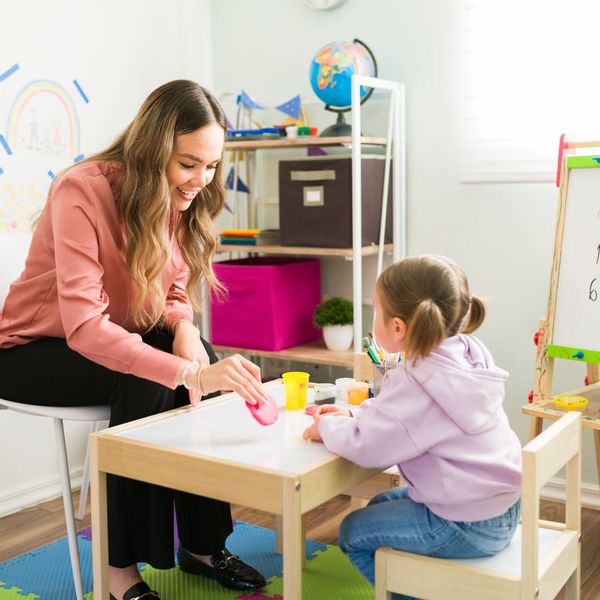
pixel 373 356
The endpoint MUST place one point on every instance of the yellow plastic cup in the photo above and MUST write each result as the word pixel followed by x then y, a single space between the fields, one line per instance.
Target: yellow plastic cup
pixel 295 384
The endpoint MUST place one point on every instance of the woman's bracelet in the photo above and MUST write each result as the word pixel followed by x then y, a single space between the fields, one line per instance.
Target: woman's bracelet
pixel 184 373
pixel 198 383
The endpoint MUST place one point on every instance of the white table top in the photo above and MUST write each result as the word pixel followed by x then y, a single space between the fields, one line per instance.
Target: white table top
pixel 225 430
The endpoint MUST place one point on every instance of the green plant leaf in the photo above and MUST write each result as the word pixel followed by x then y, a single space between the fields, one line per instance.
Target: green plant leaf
pixel 334 311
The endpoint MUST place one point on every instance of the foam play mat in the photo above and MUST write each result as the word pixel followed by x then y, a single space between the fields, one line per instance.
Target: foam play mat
pixel 46 572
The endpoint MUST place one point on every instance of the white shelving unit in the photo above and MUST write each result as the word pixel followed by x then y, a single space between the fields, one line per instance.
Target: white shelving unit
pixel 395 146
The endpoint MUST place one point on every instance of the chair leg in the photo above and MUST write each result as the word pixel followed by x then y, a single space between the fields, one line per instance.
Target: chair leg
pixel 68 505
pixel 85 479
pixel 381 591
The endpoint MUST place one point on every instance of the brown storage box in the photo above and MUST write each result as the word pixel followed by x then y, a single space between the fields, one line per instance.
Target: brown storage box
pixel 315 201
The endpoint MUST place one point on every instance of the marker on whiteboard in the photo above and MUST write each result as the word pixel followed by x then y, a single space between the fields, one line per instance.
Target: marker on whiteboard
pixel 578 355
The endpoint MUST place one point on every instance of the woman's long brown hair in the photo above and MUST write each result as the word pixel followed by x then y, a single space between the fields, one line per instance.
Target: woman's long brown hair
pixel 144 203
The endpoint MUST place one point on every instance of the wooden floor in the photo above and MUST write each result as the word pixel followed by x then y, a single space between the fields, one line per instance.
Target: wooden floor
pixel 44 523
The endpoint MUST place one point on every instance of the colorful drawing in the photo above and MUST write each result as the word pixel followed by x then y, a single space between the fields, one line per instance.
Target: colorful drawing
pixel 43 118
pixel 19 206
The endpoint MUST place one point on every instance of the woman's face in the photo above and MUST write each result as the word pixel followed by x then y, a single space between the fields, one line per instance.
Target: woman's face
pixel 193 163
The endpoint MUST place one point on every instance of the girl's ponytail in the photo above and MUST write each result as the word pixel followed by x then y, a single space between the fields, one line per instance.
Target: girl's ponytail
pixel 476 315
pixel 427 329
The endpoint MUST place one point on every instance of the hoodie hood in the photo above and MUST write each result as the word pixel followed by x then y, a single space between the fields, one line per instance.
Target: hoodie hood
pixel 473 396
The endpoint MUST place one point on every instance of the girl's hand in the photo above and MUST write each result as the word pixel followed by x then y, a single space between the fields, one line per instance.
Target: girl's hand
pixel 331 409
pixel 187 344
pixel 312 431
pixel 234 374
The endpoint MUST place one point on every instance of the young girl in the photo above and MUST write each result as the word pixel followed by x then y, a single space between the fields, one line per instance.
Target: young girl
pixel 439 417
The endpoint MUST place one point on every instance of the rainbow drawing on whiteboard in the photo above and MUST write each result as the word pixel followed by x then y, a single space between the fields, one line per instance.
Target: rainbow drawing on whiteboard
pixel 43 118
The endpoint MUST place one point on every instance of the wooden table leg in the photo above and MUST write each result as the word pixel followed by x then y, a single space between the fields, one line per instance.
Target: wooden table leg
pixel 535 427
pixel 278 526
pixel 293 540
pixel 99 524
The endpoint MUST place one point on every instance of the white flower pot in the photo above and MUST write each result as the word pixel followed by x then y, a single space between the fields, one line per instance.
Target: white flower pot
pixel 338 337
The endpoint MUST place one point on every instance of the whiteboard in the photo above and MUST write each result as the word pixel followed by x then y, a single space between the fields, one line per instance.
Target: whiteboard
pixel 576 332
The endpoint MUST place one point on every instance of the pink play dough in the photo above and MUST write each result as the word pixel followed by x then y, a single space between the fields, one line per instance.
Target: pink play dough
pixel 265 413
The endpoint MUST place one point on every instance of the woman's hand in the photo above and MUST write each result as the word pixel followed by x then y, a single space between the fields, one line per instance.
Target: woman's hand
pixel 187 344
pixel 312 432
pixel 234 374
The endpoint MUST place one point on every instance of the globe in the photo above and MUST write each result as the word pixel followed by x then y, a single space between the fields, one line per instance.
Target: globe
pixel 332 68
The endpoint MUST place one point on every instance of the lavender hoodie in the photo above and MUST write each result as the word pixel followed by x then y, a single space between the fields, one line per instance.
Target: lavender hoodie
pixel 441 421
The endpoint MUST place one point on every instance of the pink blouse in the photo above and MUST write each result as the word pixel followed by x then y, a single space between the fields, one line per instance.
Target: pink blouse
pixel 76 285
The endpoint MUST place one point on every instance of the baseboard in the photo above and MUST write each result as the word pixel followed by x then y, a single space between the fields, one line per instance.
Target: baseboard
pixel 15 499
pixel 555 490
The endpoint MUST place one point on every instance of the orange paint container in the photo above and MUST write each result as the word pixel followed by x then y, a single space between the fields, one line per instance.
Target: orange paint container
pixel 358 392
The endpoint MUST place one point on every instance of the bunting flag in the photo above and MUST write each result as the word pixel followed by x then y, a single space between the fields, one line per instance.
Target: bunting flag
pixel 291 107
pixel 241 186
pixel 245 99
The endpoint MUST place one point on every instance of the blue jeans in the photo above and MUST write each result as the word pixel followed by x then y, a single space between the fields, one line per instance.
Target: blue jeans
pixel 392 519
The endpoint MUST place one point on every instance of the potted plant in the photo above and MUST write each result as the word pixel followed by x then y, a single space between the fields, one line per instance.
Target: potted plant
pixel 335 317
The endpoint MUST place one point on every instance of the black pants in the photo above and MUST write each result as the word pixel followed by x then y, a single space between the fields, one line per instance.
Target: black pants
pixel 140 515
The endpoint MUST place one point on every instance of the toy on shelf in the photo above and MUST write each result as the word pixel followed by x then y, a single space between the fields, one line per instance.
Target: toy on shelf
pixel 566 402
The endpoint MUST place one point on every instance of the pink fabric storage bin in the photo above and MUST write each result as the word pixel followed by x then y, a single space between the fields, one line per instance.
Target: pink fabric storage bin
pixel 270 303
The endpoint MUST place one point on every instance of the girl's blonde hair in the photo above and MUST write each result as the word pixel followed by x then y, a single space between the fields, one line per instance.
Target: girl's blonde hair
pixel 431 295
pixel 144 204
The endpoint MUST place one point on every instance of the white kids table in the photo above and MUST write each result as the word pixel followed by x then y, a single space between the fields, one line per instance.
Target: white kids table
pixel 218 450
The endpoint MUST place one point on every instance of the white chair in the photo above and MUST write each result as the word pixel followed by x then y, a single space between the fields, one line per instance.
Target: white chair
pixel 543 557
pixel 16 246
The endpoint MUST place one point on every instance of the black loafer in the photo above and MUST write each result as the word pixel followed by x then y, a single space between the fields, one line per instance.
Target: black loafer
pixel 139 591
pixel 226 568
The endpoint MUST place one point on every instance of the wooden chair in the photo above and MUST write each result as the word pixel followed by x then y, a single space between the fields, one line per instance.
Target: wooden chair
pixel 543 557
pixel 15 246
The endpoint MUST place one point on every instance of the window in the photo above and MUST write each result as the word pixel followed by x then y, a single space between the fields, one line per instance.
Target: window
pixel 531 72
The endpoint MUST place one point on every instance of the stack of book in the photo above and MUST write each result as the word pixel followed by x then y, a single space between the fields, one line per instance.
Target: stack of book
pixel 250 237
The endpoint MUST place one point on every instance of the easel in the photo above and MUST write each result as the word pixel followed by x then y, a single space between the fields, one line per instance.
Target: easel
pixel 542 407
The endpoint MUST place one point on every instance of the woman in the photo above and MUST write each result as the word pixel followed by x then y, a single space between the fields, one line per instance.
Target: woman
pixel 103 314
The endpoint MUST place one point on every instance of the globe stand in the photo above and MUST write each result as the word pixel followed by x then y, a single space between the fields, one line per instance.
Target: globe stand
pixel 339 128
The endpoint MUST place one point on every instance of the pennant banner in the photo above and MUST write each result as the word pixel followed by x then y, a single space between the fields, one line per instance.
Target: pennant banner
pixel 291 107
pixel 241 186
pixel 245 99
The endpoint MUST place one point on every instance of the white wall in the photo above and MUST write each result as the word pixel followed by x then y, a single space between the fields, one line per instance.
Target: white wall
pixel 118 52
pixel 501 234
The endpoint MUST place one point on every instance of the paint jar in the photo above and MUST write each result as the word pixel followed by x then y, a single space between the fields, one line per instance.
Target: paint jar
pixel 292 131
pixel 325 393
pixel 341 385
pixel 295 384
pixel 358 392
